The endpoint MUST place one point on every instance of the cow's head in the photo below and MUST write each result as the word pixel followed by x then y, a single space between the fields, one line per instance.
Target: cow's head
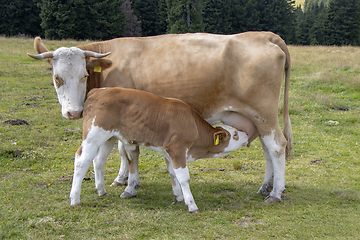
pixel 69 77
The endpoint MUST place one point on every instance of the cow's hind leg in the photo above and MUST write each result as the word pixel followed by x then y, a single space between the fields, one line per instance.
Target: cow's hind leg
pixel 122 178
pixel 267 186
pixel 99 165
pixel 133 181
pixel 274 144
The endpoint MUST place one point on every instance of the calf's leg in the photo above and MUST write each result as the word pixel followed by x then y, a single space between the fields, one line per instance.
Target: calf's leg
pixel 123 174
pixel 174 182
pixel 95 138
pixel 83 158
pixel 99 165
pixel 133 181
pixel 176 151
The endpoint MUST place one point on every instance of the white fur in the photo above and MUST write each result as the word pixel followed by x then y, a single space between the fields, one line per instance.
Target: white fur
pixel 70 65
pixel 275 165
pixel 233 144
pixel 183 176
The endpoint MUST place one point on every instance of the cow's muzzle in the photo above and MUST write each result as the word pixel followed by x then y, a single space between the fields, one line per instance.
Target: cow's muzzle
pixel 75 115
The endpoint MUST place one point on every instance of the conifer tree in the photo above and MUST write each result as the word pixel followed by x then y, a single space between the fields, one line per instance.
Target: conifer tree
pixel 343 22
pixel 20 17
pixel 82 19
pixel 185 16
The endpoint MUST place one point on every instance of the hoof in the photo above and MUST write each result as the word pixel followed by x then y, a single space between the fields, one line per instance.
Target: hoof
pixel 127 195
pixel 265 190
pixel 270 199
pixel 194 212
pixel 75 205
pixel 116 183
pixel 102 194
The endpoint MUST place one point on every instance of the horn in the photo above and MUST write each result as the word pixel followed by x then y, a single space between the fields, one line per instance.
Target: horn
pixel 95 55
pixel 41 56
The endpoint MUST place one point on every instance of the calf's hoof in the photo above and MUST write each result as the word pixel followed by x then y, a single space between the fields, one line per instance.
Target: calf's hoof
pixel 119 183
pixel 194 211
pixel 102 194
pixel 127 195
pixel 270 199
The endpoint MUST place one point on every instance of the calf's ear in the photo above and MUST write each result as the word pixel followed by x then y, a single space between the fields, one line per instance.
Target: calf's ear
pixel 220 136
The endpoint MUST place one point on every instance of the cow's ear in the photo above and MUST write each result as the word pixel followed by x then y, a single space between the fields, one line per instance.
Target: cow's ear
pixel 98 64
pixel 220 136
pixel 40 48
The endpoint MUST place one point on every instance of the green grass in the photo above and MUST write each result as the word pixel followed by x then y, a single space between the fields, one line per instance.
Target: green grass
pixel 322 178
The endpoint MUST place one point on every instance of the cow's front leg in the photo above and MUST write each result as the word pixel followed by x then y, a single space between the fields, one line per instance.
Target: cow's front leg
pixel 99 165
pixel 275 144
pixel 133 181
pixel 174 182
pixel 83 157
pixel 122 178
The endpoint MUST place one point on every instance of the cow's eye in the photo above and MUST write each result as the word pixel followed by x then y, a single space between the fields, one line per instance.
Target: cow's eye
pixel 58 81
pixel 85 77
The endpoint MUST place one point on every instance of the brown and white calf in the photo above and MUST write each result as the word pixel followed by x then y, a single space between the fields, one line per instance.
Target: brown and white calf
pixel 139 118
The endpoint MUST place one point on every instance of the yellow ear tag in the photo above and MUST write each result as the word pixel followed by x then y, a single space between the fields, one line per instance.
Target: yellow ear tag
pixel 97 68
pixel 217 140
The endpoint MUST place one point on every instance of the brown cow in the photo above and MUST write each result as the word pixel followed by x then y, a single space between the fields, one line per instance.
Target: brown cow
pixel 139 118
pixel 233 79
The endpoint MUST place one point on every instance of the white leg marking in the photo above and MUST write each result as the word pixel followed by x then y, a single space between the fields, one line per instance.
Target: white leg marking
pixel 267 186
pixel 95 138
pixel 99 165
pixel 183 176
pixel 122 177
pixel 81 165
pixel 134 180
pixel 174 182
pixel 277 155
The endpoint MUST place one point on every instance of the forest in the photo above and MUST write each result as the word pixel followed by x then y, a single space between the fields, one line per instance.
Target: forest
pixel 316 22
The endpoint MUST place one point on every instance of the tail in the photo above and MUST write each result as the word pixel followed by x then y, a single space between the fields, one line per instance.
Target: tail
pixel 286 118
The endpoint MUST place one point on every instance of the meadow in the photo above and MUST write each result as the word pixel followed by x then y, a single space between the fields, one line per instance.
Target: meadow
pixel 322 199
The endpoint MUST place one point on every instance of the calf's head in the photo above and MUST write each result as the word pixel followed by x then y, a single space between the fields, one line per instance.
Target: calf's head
pixel 227 140
pixel 69 76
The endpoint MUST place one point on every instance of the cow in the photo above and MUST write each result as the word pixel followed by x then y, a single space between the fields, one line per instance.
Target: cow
pixel 230 79
pixel 139 118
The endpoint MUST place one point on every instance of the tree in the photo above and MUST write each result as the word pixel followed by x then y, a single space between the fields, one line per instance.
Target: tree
pixel 20 17
pixel 217 16
pixel 185 16
pixel 82 19
pixel 278 16
pixel 152 14
pixel 132 24
pixel 343 22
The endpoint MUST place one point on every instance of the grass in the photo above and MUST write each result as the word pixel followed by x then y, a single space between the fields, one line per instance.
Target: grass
pixel 322 178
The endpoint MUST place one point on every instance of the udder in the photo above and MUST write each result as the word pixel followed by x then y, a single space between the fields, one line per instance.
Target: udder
pixel 241 123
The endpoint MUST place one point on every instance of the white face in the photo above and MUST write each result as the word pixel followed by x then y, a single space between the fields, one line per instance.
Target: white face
pixel 69 76
pixel 238 139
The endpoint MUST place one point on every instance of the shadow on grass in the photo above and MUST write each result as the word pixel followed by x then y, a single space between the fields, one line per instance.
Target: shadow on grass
pixel 214 196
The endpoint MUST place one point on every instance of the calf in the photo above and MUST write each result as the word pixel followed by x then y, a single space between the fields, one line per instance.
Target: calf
pixel 139 118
